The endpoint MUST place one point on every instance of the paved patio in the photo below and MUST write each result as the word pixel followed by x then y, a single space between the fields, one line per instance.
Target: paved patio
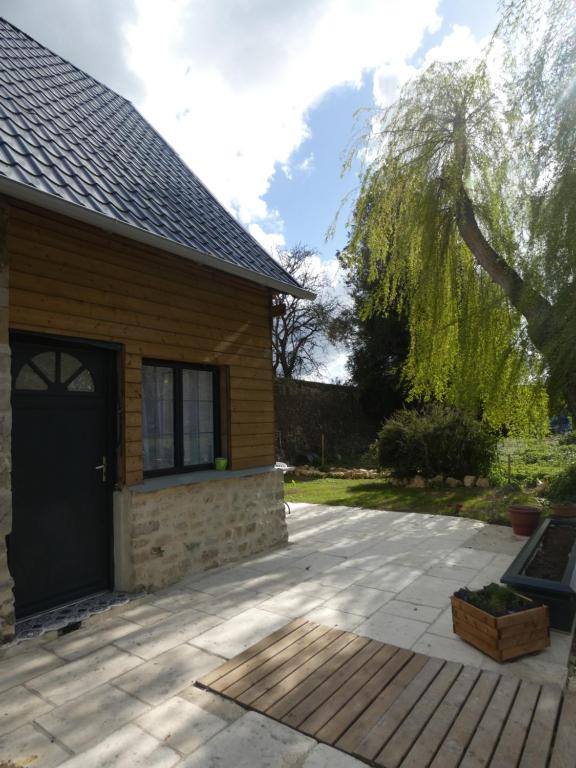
pixel 120 694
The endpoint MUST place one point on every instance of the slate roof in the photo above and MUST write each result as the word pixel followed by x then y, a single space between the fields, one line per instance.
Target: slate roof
pixel 65 134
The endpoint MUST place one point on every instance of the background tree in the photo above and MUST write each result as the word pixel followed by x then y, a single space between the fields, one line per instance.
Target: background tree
pixel 470 203
pixel 377 344
pixel 301 329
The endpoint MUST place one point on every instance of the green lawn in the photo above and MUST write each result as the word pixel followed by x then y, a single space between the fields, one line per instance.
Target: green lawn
pixel 489 505
pixel 520 462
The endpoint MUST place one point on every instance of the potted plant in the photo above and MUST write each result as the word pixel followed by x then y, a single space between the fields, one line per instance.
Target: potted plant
pixel 561 493
pixel 524 519
pixel 500 622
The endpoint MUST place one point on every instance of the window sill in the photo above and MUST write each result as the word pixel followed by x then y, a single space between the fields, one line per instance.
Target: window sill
pixel 190 478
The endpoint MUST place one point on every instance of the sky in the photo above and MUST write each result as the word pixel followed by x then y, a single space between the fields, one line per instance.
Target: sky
pixel 258 96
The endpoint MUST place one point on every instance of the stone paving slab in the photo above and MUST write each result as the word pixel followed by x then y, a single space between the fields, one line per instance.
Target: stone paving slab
pixel 76 678
pixel 147 642
pixel 181 724
pixel 251 742
pixel 327 757
pixel 88 719
pixel 430 590
pixel 215 705
pixel 21 667
pixel 386 575
pixel 29 747
pixel 393 630
pixel 167 674
pixel 334 618
pixel 361 600
pixel 77 644
pixel 233 636
pixel 18 706
pixel 392 577
pixel 128 747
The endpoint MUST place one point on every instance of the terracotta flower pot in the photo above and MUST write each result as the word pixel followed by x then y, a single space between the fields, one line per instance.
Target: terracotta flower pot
pixel 563 510
pixel 524 519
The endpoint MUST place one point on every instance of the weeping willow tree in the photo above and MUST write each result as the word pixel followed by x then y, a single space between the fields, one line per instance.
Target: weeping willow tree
pixel 467 211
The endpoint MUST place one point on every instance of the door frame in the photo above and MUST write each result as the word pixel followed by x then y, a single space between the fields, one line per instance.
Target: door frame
pixel 114 442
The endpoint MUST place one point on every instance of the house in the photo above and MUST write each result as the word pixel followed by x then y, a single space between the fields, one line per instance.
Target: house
pixel 135 348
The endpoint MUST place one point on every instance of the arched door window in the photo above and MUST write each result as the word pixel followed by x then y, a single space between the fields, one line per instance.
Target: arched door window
pixel 54 371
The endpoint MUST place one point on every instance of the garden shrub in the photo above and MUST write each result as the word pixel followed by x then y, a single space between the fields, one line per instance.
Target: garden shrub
pixel 569 438
pixel 436 441
pixel 563 486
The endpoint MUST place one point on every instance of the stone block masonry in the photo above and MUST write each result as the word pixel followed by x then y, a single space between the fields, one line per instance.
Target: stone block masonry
pixel 6 583
pixel 163 535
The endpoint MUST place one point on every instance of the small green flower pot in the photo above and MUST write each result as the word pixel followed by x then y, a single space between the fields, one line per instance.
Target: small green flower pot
pixel 220 464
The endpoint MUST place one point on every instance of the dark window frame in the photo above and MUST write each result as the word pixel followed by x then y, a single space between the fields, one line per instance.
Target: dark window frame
pixel 179 467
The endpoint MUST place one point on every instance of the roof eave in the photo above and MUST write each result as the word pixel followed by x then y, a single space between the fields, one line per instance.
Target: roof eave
pixel 28 194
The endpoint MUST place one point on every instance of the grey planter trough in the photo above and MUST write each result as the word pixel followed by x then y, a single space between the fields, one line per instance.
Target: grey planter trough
pixel 559 596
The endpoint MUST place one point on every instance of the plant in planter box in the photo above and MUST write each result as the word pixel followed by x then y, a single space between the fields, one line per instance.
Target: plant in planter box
pixel 500 622
pixel 562 493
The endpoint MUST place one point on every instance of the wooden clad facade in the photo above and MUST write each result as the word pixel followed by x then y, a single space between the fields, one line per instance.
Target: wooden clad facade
pixel 70 279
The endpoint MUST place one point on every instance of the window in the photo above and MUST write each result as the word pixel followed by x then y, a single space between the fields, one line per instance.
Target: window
pixel 180 417
pixel 54 371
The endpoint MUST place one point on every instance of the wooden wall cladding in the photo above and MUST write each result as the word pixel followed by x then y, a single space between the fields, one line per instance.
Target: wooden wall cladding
pixel 69 279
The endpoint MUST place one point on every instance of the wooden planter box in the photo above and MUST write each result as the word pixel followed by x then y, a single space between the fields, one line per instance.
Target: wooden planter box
pixel 502 637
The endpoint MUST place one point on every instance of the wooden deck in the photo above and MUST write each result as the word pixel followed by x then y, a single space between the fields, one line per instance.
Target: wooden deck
pixel 397 709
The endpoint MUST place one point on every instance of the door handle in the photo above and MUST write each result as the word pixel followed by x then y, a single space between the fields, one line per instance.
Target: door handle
pixel 103 467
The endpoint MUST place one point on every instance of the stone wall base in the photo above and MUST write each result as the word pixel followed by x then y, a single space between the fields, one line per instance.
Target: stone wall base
pixel 161 536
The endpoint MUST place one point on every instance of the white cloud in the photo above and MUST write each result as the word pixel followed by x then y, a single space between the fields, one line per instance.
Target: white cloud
pixel 336 368
pixel 271 241
pixel 460 43
pixel 230 84
pixel 306 165
pixel 333 367
pixel 92 35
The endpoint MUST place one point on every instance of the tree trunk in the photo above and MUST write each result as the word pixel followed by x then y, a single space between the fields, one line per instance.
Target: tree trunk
pixel 537 311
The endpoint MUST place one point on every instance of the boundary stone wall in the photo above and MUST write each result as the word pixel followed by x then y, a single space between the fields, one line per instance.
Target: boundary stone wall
pixel 306 410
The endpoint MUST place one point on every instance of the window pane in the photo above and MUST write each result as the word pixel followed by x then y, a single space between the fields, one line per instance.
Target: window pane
pixel 206 448
pixel 82 383
pixel 29 379
pixel 198 417
pixel 158 417
pixel 46 361
pixel 205 385
pixel 198 449
pixel 191 449
pixel 68 366
pixel 190 384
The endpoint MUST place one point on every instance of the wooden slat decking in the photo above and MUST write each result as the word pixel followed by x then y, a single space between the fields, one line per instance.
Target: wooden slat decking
pixel 397 709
